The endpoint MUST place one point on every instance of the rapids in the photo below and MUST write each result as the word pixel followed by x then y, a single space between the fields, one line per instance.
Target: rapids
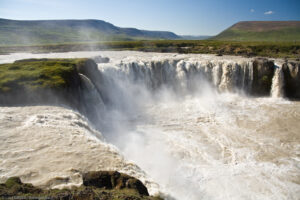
pixel 183 124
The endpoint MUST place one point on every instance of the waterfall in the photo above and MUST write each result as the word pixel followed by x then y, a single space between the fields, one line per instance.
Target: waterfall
pixel 277 83
pixel 173 121
pixel 184 76
pixel 93 105
pixel 167 117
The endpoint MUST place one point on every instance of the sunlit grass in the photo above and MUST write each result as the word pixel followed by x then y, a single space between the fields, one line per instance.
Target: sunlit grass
pixel 268 49
pixel 34 74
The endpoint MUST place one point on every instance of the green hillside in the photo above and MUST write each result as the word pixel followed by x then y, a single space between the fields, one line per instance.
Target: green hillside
pixel 262 31
pixel 15 32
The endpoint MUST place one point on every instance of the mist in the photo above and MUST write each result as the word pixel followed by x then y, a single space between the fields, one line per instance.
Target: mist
pixel 182 123
pixel 186 125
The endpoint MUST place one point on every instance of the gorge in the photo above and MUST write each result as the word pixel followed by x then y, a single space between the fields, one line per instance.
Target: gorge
pixel 188 126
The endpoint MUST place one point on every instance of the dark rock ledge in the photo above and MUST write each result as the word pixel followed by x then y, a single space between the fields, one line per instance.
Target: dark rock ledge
pixel 98 185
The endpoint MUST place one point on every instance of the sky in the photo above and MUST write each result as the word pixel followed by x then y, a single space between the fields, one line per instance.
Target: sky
pixel 183 17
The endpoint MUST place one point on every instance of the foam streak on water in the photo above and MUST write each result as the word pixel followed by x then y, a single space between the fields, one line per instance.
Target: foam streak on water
pixel 224 148
pixel 52 146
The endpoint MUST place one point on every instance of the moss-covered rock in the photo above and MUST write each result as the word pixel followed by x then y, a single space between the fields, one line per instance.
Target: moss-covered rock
pixel 105 185
pixel 34 74
pixel 14 187
pixel 114 179
pixel 40 81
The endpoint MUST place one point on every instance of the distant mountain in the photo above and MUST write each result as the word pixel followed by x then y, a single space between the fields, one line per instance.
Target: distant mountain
pixel 67 31
pixel 195 37
pixel 262 31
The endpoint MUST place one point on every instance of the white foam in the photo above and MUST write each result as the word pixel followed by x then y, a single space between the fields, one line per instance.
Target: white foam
pixel 194 142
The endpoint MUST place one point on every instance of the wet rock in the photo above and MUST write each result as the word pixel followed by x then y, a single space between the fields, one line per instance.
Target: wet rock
pixel 114 180
pixel 291 71
pixel 137 185
pixel 263 71
pixel 14 186
pixel 104 185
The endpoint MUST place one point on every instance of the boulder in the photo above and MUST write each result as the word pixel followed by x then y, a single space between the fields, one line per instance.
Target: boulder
pixel 98 186
pixel 113 180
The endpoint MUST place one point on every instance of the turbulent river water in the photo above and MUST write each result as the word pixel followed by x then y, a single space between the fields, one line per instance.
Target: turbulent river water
pixel 189 131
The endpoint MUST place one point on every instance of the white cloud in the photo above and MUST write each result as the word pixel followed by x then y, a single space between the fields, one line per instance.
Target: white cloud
pixel 269 12
pixel 252 10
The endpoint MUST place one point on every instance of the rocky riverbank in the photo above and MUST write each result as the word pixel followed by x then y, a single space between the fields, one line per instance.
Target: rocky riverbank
pixel 100 185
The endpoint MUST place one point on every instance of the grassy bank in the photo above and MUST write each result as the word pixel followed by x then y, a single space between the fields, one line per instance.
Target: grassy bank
pixel 35 74
pixel 266 49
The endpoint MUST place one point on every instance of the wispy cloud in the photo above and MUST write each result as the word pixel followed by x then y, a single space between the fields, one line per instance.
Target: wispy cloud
pixel 269 12
pixel 252 10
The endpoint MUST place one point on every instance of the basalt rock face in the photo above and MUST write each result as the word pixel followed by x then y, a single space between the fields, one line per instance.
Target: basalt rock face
pixel 263 72
pixel 31 89
pixel 65 82
pixel 291 70
pixel 40 81
pixel 89 69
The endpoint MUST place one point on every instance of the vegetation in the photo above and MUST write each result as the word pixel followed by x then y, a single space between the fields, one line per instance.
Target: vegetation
pixel 14 188
pixel 266 49
pixel 253 38
pixel 15 32
pixel 271 31
pixel 33 74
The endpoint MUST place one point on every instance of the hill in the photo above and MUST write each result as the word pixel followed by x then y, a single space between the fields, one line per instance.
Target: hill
pixel 262 31
pixel 16 32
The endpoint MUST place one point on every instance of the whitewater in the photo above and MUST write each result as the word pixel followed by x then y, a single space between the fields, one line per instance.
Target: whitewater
pixel 185 125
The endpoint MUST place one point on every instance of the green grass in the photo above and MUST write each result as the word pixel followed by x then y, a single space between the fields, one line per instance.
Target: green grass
pixel 37 74
pixel 288 34
pixel 16 32
pixel 245 48
pixel 14 187
pixel 267 31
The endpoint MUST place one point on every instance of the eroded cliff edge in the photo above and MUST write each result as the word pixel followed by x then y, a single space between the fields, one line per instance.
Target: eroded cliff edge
pixel 77 83
pixel 50 82
pixel 97 185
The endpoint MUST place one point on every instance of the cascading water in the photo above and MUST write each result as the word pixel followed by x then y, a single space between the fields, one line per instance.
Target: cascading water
pixel 277 82
pixel 182 77
pixel 188 122
pixel 195 142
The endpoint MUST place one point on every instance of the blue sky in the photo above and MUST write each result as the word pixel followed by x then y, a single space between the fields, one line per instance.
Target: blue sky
pixel 189 17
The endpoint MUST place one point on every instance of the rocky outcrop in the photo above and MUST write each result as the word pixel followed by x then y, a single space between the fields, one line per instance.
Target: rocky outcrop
pixel 263 71
pixel 101 185
pixel 114 180
pixel 73 83
pixel 291 71
pixel 41 81
pixel 13 187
